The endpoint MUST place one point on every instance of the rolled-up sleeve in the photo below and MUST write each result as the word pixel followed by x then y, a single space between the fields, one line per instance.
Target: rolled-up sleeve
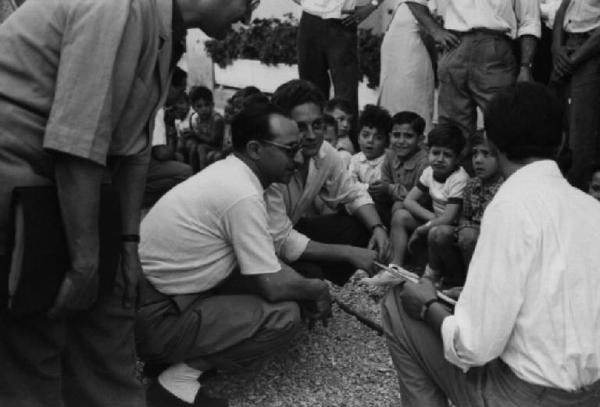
pixel 528 18
pixel 486 312
pixel 80 121
pixel 289 244
pixel 421 2
pixel 340 188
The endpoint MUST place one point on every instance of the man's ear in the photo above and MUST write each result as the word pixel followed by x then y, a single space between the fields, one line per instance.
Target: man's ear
pixel 254 150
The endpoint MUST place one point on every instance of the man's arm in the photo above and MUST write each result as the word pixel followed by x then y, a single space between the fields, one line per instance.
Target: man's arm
pixel 359 257
pixel 528 45
pixel 446 39
pixel 379 241
pixel 78 184
pixel 130 181
pixel 527 13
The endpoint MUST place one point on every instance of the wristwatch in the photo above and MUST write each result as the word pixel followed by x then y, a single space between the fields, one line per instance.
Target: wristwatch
pixel 375 3
pixel 425 308
pixel 379 225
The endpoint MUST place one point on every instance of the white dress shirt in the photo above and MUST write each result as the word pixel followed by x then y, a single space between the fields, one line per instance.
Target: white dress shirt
pixel 327 8
pixel 532 290
pixel 516 17
pixel 582 16
pixel 329 179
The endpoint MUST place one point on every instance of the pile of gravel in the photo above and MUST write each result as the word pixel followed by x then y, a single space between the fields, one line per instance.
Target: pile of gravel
pixel 345 364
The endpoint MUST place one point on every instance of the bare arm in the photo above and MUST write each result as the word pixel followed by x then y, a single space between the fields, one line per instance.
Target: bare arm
pixel 368 215
pixel 560 54
pixel 450 214
pixel 78 183
pixel 528 44
pixel 360 257
pixel 442 37
pixel 411 203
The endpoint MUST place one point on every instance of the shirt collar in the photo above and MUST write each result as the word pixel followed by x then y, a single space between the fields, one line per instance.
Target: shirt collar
pixel 373 163
pixel 324 150
pixel 535 170
pixel 411 162
pixel 251 175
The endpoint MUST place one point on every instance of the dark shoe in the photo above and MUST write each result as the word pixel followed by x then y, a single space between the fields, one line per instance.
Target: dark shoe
pixel 158 396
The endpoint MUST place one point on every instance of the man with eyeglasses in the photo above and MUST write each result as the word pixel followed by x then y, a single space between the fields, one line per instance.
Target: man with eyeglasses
pixel 215 294
pixel 339 243
pixel 80 81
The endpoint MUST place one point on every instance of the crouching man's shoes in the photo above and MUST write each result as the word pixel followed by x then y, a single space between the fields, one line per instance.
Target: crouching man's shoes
pixel 158 396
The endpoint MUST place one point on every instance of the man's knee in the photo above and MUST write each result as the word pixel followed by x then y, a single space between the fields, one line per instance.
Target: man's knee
pixel 442 235
pixel 285 318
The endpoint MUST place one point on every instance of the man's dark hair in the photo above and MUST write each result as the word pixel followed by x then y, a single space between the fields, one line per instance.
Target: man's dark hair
pixel 593 169
pixel 447 135
pixel 377 118
pixel 201 93
pixel 416 122
pixel 524 121
pixel 179 77
pixel 252 123
pixel 329 121
pixel 295 93
pixel 338 103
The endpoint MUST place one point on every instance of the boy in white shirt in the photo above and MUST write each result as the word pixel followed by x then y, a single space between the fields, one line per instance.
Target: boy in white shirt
pixel 444 181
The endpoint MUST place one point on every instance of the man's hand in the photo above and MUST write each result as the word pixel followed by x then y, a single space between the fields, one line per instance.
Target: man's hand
pixel 363 259
pixel 317 310
pixel 131 270
pixel 563 65
pixel 358 15
pixel 445 39
pixel 78 292
pixel 379 189
pixel 379 241
pixel 415 295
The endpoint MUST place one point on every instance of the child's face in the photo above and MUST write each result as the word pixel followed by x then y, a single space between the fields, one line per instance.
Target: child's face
pixel 485 164
pixel 330 135
pixel 443 161
pixel 595 185
pixel 343 121
pixel 371 142
pixel 203 108
pixel 404 140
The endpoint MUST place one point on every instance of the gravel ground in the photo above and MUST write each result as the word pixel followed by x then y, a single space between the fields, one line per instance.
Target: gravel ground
pixel 344 364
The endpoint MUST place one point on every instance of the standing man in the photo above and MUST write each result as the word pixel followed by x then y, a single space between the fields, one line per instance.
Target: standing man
pixel 328 45
pixel 576 51
pixel 80 81
pixel 478 57
pixel 339 243
pixel 525 329
pixel 214 293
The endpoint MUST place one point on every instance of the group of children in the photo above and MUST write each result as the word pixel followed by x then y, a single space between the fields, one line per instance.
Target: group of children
pixel 433 207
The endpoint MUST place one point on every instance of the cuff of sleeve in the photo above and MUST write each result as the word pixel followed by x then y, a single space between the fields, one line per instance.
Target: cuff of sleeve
pixel 421 2
pixel 530 27
pixel 358 202
pixel 294 246
pixel 449 331
pixel 69 141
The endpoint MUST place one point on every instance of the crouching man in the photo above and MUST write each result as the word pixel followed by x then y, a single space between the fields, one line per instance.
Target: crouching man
pixel 526 327
pixel 214 293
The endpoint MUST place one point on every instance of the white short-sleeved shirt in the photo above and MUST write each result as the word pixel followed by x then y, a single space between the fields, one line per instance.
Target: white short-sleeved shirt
pixel 442 193
pixel 205 227
pixel 364 170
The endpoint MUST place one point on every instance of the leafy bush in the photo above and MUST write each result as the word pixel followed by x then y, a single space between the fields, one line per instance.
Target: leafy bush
pixel 273 41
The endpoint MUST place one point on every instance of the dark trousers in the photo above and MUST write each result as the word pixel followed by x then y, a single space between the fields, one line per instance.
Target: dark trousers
pixel 583 115
pixel 88 360
pixel 471 73
pixel 223 328
pixel 327 47
pixel 161 177
pixel 428 379
pixel 339 228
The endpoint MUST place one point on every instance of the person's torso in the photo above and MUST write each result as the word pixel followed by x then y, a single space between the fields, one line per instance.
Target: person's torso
pixel 582 16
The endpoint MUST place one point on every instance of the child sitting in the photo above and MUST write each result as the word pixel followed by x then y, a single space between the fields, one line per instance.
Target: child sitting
pixel 443 181
pixel 330 132
pixel 594 187
pixel 402 166
pixel 374 125
pixel 451 248
pixel 341 111
pixel 205 130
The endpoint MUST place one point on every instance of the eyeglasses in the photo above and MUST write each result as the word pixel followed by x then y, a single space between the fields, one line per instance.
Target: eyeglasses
pixel 318 125
pixel 290 151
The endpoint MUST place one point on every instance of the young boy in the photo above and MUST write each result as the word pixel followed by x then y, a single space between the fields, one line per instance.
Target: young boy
pixel 205 130
pixel 443 181
pixel 341 110
pixel 374 125
pixel 594 187
pixel 402 166
pixel 330 135
pixel 451 248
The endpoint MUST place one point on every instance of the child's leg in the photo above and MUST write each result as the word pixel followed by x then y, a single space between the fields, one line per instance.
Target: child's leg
pixel 402 224
pixel 467 239
pixel 445 259
pixel 202 153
